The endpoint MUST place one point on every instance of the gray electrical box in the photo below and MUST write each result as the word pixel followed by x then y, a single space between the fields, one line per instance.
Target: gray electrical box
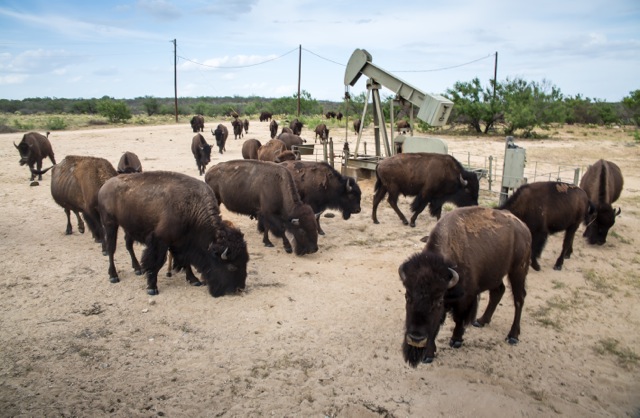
pixel 405 143
pixel 515 159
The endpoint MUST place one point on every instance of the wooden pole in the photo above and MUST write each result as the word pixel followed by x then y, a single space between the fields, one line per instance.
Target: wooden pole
pixel 299 74
pixel 175 78
pixel 495 76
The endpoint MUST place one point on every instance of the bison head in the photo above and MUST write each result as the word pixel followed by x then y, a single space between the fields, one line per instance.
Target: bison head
pixel 25 152
pixel 229 271
pixel 426 278
pixel 598 227
pixel 304 229
pixel 350 200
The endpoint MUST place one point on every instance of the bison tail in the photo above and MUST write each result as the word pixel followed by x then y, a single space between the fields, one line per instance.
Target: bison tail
pixel 41 172
pixel 378 182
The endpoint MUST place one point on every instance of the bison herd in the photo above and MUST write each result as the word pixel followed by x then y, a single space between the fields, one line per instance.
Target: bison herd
pixel 469 251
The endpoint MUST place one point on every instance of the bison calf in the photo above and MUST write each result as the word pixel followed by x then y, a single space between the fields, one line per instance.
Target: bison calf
pixel 34 148
pixel 469 251
pixel 201 152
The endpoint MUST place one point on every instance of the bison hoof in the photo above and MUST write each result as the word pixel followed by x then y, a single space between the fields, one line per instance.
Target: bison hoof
pixel 137 272
pixel 477 324
pixel 375 221
pixel 405 222
pixel 268 244
pixel 320 232
pixel 512 340
pixel 536 267
pixel 412 224
pixel 114 279
pixel 289 250
pixel 152 292
pixel 556 267
pixel 195 283
pixel 455 343
pixel 427 360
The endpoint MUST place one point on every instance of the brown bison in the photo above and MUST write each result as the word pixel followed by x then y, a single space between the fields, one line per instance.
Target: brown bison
pixel 221 134
pixel 433 179
pixel 286 156
pixel 201 152
pixel 339 116
pixel 548 207
pixel 469 251
pixel 245 125
pixel 265 116
pixel 129 163
pixel 271 150
pixel 323 131
pixel 34 148
pixel 267 192
pixel 290 140
pixel 356 126
pixel 296 126
pixel 322 187
pixel 273 128
pixel 402 125
pixel 603 183
pixel 250 149
pixel 173 212
pixel 75 183
pixel 197 123
pixel 237 128
pixel 330 115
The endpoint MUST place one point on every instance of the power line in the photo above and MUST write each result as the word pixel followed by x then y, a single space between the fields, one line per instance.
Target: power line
pixel 443 68
pixel 238 66
pixel 321 57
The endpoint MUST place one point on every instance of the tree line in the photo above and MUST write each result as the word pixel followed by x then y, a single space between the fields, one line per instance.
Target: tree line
pixel 512 105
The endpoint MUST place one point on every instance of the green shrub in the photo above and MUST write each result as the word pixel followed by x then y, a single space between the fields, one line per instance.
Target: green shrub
pixel 56 123
pixel 114 110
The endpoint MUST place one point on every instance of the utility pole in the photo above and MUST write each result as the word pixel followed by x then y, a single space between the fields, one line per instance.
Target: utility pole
pixel 495 76
pixel 299 73
pixel 175 78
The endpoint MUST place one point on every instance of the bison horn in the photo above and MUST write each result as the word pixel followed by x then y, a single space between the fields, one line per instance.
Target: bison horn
pixel 225 253
pixel 14 144
pixel 618 211
pixel 403 276
pixel 349 188
pixel 295 221
pixel 463 181
pixel 454 278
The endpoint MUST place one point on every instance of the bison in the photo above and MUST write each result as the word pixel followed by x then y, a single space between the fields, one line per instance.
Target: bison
pixel 273 128
pixel 271 150
pixel 469 251
pixel 169 211
pixel 548 207
pixel 197 123
pixel 265 116
pixel 323 131
pixel 221 133
pixel 296 126
pixel 267 192
pixel 250 149
pixel 75 183
pixel 356 126
pixel 129 163
pixel 603 183
pixel 322 187
pixel 290 140
pixel 245 125
pixel 339 116
pixel 237 128
pixel 34 148
pixel 201 152
pixel 402 125
pixel 433 179
pixel 330 115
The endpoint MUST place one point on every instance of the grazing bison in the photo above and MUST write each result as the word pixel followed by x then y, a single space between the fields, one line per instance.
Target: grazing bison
pixel 267 192
pixel 197 123
pixel 245 125
pixel 75 183
pixel 433 179
pixel 273 128
pixel 271 150
pixel 237 129
pixel 469 251
pixel 322 187
pixel 339 116
pixel 173 212
pixel 603 183
pixel 34 148
pixel 402 125
pixel 296 126
pixel 356 126
pixel 330 115
pixel 548 207
pixel 290 140
pixel 129 163
pixel 323 131
pixel 221 133
pixel 250 149
pixel 201 152
pixel 265 116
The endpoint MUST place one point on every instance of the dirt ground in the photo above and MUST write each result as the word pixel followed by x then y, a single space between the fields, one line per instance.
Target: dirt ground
pixel 317 335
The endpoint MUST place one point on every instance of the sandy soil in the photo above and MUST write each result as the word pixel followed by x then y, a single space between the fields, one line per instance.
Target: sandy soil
pixel 317 335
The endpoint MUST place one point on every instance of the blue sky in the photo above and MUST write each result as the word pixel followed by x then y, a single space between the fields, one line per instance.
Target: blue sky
pixel 124 48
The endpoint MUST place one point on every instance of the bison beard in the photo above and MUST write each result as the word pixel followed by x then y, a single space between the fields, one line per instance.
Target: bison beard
pixel 175 212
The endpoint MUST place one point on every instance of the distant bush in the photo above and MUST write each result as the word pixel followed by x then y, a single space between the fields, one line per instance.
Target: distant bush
pixel 56 123
pixel 114 110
